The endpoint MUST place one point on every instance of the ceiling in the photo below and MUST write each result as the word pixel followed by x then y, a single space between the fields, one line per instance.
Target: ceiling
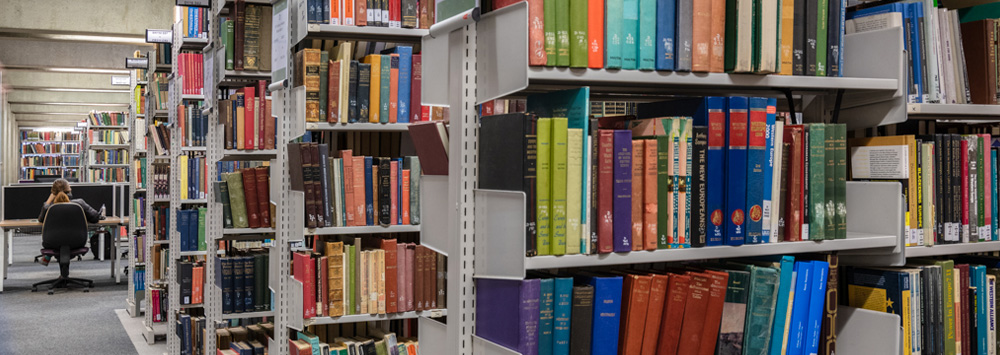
pixel 58 56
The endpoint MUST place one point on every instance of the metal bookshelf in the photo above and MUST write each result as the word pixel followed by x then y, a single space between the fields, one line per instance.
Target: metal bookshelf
pixel 151 329
pixel 135 297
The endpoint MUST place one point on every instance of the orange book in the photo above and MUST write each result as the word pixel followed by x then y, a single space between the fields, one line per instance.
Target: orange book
pixel 637 193
pixel 197 280
pixel 180 122
pixel 393 87
pixel 348 161
pixel 713 313
pixel 360 13
pixel 595 33
pixel 405 203
pixel 635 300
pixel 536 33
pixel 701 36
pixel 335 12
pixel 650 191
pixel 348 12
pixel 359 191
pixel 717 59
pixel 654 313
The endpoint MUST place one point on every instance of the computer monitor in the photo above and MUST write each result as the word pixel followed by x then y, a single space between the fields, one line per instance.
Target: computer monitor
pixel 47 178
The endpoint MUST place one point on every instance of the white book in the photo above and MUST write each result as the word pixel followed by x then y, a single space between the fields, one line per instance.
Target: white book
pixel 931 45
pixel 874 22
pixel 769 37
pixel 991 313
pixel 776 211
pixel 946 63
pixel 338 204
pixel 961 77
pixel 744 40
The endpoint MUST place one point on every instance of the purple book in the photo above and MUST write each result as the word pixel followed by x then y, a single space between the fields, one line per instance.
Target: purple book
pixel 507 313
pixel 621 207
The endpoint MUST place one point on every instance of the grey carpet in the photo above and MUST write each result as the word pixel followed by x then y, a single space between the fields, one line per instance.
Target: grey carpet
pixel 68 321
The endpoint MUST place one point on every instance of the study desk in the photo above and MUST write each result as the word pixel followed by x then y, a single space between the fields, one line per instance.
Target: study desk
pixel 8 227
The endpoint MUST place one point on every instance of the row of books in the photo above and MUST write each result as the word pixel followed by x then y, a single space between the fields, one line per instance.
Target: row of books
pixel 32 135
pixel 160 133
pixel 191 279
pixel 161 181
pixel 71 160
pixel 158 90
pixel 49 148
pixel 194 21
pixel 139 165
pixel 108 156
pixel 946 306
pixel 139 245
pixel 107 174
pixel 29 173
pixel 193 175
pixel 790 37
pixel 190 329
pixel 376 13
pixel 247 37
pixel 193 124
pixel 162 54
pixel 140 133
pixel 355 190
pixel 139 279
pixel 191 229
pixel 190 66
pixel 373 143
pixel 139 95
pixel 139 212
pixel 378 341
pixel 158 303
pixel 97 137
pixel 244 282
pixel 256 336
pixel 384 278
pixel 106 118
pixel 161 217
pixel 247 120
pixel 246 198
pixel 42 161
pixel 379 88
pixel 773 305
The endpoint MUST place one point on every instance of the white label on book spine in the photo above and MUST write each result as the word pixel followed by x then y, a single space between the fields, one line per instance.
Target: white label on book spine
pixel 951 232
pixel 880 162
pixel 984 233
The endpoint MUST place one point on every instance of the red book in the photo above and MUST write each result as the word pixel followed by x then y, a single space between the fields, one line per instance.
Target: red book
pixel 430 280
pixel 269 122
pixel 649 185
pixel 415 75
pixel 425 113
pixel 654 313
pixel 393 192
pixel 394 87
pixel 250 194
pixel 348 162
pixel 359 191
pixel 488 108
pixel 717 51
pixel 301 265
pixel 418 278
pixel 391 276
pixel 964 154
pixel 635 302
pixel 180 123
pixel 263 196
pixel 324 285
pixel 360 13
pixel 249 119
pixel 333 94
pixel 638 192
pixel 796 175
pixel 701 36
pixel 536 33
pixel 430 140
pixel 694 314
pixel 401 281
pixel 261 102
pixel 962 270
pixel 595 32
pixel 605 167
pixel 200 74
pixel 405 202
pixel 197 280
pixel 713 316
pixel 673 314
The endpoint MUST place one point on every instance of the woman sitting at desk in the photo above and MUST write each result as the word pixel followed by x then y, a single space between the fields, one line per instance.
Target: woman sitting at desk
pixel 62 193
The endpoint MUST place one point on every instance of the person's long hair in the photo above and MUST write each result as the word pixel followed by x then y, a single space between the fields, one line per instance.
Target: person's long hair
pixel 59 189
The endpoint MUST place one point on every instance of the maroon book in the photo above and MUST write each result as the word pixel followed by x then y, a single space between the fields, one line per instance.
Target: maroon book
pixel 411 269
pixel 431 142
pixel 430 280
pixel 269 122
pixel 333 94
pixel 415 75
pixel 309 184
pixel 391 277
pixel 239 28
pixel 713 316
pixel 418 278
pixel 261 118
pixel 605 193
pixel 694 313
pixel 263 196
pixel 250 194
pixel 963 286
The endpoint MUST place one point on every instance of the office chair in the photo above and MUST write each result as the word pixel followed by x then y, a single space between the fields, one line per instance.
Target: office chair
pixel 66 226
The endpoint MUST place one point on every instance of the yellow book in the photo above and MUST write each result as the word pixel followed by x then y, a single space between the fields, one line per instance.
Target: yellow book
pixel 362 281
pixel 372 282
pixel 240 119
pixel 183 166
pixel 344 57
pixel 786 35
pixel 863 153
pixel 335 272
pixel 575 237
pixel 380 279
pixel 373 94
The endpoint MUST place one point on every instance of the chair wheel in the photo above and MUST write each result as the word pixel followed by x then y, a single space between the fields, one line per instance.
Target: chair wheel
pixel 51 292
pixel 86 290
pixel 34 289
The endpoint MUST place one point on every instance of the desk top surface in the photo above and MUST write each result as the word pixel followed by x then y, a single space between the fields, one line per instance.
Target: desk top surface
pixel 16 223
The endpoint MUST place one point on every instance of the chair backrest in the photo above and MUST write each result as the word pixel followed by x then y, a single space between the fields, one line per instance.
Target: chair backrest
pixel 65 224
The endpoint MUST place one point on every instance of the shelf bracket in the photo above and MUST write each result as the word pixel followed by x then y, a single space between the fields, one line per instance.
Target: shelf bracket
pixel 791 101
pixel 836 106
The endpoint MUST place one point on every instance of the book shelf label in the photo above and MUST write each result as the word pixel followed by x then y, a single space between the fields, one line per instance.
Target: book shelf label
pixel 136 63
pixel 159 36
pixel 121 80
pixel 279 41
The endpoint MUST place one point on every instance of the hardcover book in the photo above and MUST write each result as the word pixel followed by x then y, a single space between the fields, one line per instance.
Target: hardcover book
pixel 756 164
pixel 736 167
pixel 622 190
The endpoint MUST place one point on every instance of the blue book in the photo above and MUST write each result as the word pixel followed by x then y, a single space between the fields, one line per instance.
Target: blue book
pixel 978 276
pixel 607 314
pixel 193 230
pixel 182 229
pixel 630 34
pixel 715 196
pixel 786 281
pixel 508 313
pixel 614 31
pixel 769 207
pixel 756 164
pixel 369 205
pixel 665 10
pixel 882 291
pixel 563 307
pixel 647 35
pixel 817 298
pixel 246 263
pixel 546 319
pixel 800 308
pixel 405 67
pixel 915 20
pixel 993 177
pixel 621 205
pixel 190 22
pixel 399 190
pixel 736 168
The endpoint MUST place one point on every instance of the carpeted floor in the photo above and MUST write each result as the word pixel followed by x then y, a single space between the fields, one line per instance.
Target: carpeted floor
pixel 68 321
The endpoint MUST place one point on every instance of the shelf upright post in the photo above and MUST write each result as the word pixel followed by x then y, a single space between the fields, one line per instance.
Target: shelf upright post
pixel 280 266
pixel 149 331
pixel 133 299
pixel 173 288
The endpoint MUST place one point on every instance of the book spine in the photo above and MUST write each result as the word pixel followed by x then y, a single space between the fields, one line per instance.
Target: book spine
pixel 595 34
pixel 811 28
pixel 385 88
pixel 622 189
pixel 574 190
pixel 630 34
pixel 557 184
pixel 405 74
pixel 820 36
pixel 578 32
pixel 840 188
pixel 614 32
pixel 715 167
pixel 817 181
pixel 835 33
pixel 529 316
pixel 736 179
pixel 649 194
pixel 605 189
pixel 665 34
pixel 529 184
pixel 663 182
pixel 561 327
pixel 684 35
pixel 638 152
pixel 701 36
pixel 799 37
pixel 581 319
pixel 756 165
pixel 549 29
pixel 536 32
pixel 546 317
pixel 544 171
pixel 699 212
pixel 647 35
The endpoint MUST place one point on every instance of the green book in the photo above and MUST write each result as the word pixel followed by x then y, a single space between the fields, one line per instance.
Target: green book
pixel 613 33
pixel 574 195
pixel 237 202
pixel 384 89
pixel 663 161
pixel 630 34
pixel 840 190
pixel 349 279
pixel 760 309
pixel 557 184
pixel 756 35
pixel 647 33
pixel 259 281
pixel 562 33
pixel 549 10
pixel 830 182
pixel 823 8
pixel 201 229
pixel 578 57
pixel 380 348
pixel 324 83
pixel 228 32
pixel 544 174
pixel 817 180
pixel 414 189
pixel 223 194
pixel 729 59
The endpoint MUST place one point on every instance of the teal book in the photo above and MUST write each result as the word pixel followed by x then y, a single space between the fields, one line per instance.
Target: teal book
pixel 613 32
pixel 384 89
pixel 647 35
pixel 734 313
pixel 783 304
pixel 630 34
pixel 764 285
pixel 562 33
pixel 324 83
pixel 201 229
pixel 563 308
pixel 578 57
pixel 546 319
pixel 228 42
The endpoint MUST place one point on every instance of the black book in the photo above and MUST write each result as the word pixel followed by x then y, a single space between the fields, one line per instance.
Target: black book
pixel 384 191
pixel 409 13
pixel 364 83
pixel 799 38
pixel 581 318
pixel 259 282
pixel 324 180
pixel 249 305
pixel 507 166
pixel 368 347
pixel 926 308
pixel 225 279
pixel 811 22
pixel 939 207
pixel 973 313
pixel 699 213
pixel 185 269
pixel 352 97
pixel 238 286
pixel 222 190
pixel 937 282
pixel 956 186
pixel 835 20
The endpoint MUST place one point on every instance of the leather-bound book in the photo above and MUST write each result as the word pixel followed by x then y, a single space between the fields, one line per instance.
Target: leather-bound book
pixel 333 94
pixel 977 40
pixel 634 306
pixel 391 276
pixel 237 199
pixel 694 318
pixel 263 195
pixel 240 32
pixel 250 193
pixel 654 313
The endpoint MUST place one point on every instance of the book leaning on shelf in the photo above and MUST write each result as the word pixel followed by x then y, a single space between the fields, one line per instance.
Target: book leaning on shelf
pixel 250 339
pixel 106 118
pixel 160 134
pixel 756 306
pixel 344 341
pixel 245 196
pixel 383 278
pixel 246 118
pixel 193 124
pixel 387 13
pixel 246 36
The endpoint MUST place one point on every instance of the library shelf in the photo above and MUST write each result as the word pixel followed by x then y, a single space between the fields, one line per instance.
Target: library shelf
pixel 141 151
pixel 140 190
pixel 161 242
pixel 197 253
pixel 108 127
pixel 195 305
pixel 155 67
pixel 139 228
pixel 193 201
pixel 237 231
pixel 161 200
pixel 108 146
pixel 141 82
pixel 360 33
pixel 218 6
pixel 193 149
pixel 160 113
pixel 358 318
pixel 193 42
pixel 952 249
pixel 966 111
pixel 362 230
pixel 140 115
pixel 108 165
pixel 260 154
pixel 248 315
pixel 48 142
pixel 42 167
pixel 194 97
pixel 164 159
pixel 241 77
pixel 364 126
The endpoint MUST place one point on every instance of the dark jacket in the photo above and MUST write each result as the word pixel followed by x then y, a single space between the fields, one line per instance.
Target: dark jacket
pixel 92 215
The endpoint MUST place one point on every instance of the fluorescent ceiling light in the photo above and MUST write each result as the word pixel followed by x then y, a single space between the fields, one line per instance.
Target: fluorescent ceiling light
pixel 51 113
pixel 53 129
pixel 66 103
pixel 71 36
pixel 38 88
pixel 68 69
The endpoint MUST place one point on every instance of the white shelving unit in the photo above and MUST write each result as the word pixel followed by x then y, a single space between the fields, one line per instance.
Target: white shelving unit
pixel 135 297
